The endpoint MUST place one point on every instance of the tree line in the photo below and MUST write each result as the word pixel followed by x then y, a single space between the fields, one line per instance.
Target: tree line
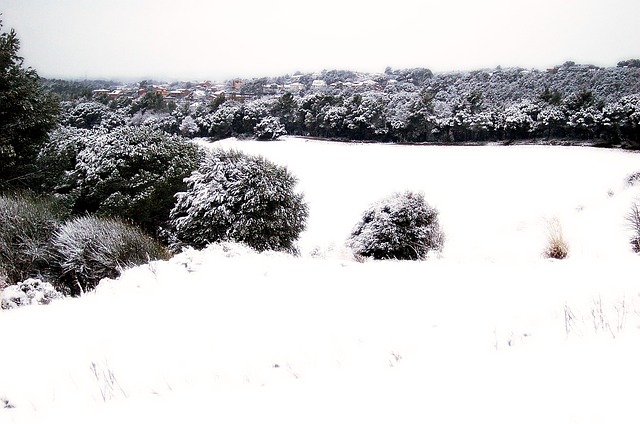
pixel 569 102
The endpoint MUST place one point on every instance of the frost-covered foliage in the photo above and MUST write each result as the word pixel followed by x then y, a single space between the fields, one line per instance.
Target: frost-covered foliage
pixel 401 226
pixel 88 249
pixel 31 291
pixel 269 128
pixel 188 127
pixel 224 121
pixel 90 115
pixel 26 226
pixel 238 197
pixel 571 102
pixel 132 172
pixel 57 160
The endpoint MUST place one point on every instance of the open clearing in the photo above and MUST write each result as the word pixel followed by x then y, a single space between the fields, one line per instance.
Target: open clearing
pixel 489 331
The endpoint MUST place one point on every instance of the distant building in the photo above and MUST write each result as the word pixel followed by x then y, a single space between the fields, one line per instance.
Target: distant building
pixel 318 84
pixel 294 87
pixel 101 92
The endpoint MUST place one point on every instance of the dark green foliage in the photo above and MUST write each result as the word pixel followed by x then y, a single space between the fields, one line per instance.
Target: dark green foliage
pixel 151 101
pixel 131 172
pixel 238 197
pixel 285 109
pixel 88 115
pixel 57 161
pixel 552 97
pixel 26 115
pixel 402 226
pixel 26 226
pixel 88 249
pixel 632 63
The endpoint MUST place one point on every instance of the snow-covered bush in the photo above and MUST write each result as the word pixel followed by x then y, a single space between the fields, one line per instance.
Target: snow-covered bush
pixel 269 128
pixel 401 226
pixel 88 249
pixel 32 291
pixel 133 172
pixel 239 197
pixel 26 226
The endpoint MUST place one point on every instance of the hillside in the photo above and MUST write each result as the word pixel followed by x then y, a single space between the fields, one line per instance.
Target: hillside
pixel 568 102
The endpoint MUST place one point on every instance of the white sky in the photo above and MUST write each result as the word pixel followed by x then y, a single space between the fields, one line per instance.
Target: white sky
pixel 197 39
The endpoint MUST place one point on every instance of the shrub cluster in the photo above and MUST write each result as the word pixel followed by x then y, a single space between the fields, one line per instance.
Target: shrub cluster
pixel 130 172
pixel 37 242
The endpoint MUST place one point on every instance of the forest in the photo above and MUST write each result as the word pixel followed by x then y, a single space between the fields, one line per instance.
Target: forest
pixel 570 103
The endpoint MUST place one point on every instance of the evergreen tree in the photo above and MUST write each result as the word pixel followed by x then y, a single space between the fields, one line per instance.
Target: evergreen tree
pixel 27 114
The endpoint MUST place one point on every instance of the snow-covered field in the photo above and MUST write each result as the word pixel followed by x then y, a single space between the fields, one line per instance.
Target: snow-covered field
pixel 490 331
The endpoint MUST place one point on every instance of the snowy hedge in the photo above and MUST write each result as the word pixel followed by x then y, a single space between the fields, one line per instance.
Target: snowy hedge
pixel 88 249
pixel 238 197
pixel 402 226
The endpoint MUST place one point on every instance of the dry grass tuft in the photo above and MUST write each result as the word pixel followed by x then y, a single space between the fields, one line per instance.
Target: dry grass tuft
pixel 557 247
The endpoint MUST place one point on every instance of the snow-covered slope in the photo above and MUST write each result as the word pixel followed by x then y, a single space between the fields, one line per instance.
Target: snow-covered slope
pixel 489 332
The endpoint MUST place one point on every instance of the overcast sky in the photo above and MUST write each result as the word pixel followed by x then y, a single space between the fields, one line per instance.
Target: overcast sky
pixel 217 40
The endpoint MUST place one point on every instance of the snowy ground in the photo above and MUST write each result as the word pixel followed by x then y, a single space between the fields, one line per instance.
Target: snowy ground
pixel 489 332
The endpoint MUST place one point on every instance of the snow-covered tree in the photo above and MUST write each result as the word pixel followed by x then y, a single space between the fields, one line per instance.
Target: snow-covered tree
pixel 551 120
pixel 519 119
pixel 269 128
pixel 188 127
pixel 224 118
pixel 401 226
pixel 132 172
pixel 621 119
pixel 365 116
pixel 238 197
pixel 93 115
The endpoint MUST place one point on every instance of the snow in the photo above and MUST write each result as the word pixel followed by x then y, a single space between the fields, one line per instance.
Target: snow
pixel 488 332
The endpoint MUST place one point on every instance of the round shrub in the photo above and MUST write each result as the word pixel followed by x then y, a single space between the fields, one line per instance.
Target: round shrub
pixel 26 226
pixel 402 226
pixel 88 249
pixel 239 197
